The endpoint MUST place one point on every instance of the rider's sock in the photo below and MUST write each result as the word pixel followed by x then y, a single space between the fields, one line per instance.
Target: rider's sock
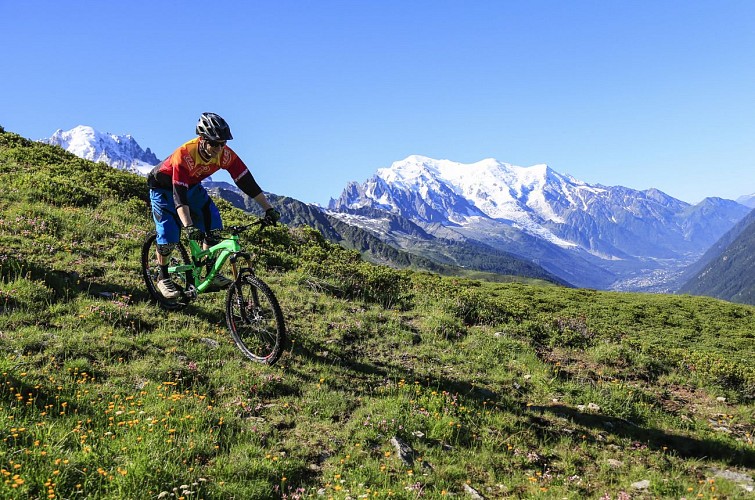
pixel 163 272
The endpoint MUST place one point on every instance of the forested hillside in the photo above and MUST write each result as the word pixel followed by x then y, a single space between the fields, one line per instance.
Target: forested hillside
pixel 396 383
pixel 727 270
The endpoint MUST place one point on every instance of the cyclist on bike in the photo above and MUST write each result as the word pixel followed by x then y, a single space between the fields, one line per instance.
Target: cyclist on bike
pixel 179 199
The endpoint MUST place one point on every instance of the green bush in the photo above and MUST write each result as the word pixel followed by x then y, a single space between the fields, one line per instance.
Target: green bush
pixel 571 332
pixel 722 372
pixel 445 325
pixel 57 283
pixel 343 274
pixel 10 268
pixel 475 307
pixel 466 300
pixel 620 359
pixel 276 249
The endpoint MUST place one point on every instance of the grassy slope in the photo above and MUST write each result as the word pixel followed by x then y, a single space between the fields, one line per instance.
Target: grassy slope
pixel 511 389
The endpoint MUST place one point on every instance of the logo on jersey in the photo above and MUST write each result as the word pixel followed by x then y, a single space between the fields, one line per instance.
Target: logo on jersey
pixel 195 166
pixel 189 161
pixel 200 170
pixel 226 158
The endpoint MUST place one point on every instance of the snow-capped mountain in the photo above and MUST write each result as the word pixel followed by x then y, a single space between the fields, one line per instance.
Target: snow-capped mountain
pixel 640 237
pixel 119 151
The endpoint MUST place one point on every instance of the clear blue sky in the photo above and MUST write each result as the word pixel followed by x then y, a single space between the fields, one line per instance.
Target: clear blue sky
pixel 640 93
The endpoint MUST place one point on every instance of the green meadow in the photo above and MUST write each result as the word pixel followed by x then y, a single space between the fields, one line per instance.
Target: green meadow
pixel 395 383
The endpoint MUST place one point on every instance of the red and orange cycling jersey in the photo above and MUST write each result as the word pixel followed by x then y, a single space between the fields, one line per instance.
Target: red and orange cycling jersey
pixel 185 168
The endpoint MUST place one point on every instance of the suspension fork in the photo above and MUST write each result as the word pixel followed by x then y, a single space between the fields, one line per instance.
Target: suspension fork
pixel 241 301
pixel 234 258
pixel 234 270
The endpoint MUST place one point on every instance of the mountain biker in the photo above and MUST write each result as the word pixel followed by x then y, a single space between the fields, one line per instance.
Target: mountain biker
pixel 179 199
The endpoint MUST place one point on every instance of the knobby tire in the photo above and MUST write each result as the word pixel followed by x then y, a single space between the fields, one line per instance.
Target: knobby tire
pixel 255 319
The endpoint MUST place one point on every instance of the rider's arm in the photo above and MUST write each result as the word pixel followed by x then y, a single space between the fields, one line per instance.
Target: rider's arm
pixel 180 183
pixel 262 200
pixel 249 186
pixel 185 215
pixel 246 183
pixel 181 199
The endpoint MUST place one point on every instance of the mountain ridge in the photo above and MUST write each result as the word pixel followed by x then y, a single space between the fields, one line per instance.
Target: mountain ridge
pixel 747 200
pixel 725 271
pixel 627 232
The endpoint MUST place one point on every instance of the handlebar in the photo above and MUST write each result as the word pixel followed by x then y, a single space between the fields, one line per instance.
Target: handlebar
pixel 236 230
pixel 240 229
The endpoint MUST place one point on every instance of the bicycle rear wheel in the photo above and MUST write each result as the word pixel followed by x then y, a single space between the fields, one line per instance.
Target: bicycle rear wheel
pixel 151 269
pixel 255 319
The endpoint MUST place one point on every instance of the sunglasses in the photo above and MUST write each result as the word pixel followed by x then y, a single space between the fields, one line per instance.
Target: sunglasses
pixel 215 144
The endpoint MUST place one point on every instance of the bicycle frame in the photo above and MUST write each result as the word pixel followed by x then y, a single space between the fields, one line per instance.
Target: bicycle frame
pixel 222 251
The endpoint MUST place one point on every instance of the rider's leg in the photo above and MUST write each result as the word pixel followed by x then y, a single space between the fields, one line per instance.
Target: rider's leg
pixel 167 229
pixel 163 254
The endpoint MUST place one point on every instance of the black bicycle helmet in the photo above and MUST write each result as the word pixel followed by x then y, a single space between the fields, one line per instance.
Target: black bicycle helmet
pixel 212 127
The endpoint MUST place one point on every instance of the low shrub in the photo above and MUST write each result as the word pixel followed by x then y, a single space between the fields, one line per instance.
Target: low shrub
pixel 355 280
pixel 446 326
pixel 722 372
pixel 620 359
pixel 466 300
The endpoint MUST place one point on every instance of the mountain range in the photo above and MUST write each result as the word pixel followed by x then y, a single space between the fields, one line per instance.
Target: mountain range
pixel 493 217
pixel 590 235
pixel 119 151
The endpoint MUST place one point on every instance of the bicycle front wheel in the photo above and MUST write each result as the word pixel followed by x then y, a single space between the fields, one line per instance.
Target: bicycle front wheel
pixel 255 319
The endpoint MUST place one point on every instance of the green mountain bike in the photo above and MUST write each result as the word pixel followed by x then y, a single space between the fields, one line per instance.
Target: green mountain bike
pixel 252 312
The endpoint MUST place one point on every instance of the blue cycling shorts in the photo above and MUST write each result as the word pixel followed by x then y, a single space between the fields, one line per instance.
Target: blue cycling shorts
pixel 204 214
